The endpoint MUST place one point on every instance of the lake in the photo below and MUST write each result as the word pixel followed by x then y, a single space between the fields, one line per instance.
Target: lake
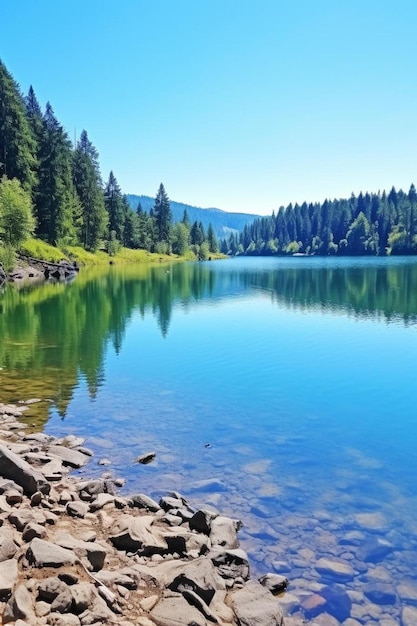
pixel 281 391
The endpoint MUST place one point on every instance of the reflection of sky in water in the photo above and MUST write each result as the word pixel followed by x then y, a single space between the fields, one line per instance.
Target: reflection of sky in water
pixel 310 416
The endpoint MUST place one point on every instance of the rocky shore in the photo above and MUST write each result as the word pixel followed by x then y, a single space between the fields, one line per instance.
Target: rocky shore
pixel 30 269
pixel 74 552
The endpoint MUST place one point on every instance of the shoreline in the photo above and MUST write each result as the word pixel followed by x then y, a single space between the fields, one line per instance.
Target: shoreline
pixel 74 552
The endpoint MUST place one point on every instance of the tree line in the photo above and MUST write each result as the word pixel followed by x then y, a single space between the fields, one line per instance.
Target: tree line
pixel 54 190
pixel 367 224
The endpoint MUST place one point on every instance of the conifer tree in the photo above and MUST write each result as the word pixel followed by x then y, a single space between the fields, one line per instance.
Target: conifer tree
pixel 87 181
pixel 162 214
pixel 17 144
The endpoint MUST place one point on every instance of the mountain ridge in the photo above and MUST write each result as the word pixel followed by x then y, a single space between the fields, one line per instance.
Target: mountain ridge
pixel 223 222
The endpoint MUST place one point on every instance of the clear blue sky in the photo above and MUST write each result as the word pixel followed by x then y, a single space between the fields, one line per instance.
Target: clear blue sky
pixel 234 104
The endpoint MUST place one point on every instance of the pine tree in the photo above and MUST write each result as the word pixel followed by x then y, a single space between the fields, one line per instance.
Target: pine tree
pixel 116 207
pixel 87 181
pixel 56 202
pixel 212 240
pixel 17 144
pixel 162 214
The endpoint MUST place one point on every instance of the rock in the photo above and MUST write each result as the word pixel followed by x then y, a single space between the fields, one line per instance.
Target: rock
pixel 36 499
pixel 409 616
pixel 69 457
pixel 201 521
pixel 8 548
pixel 8 577
pixel 141 501
pixel 255 606
pixel 231 563
pixel 50 588
pixel 274 582
pixel 77 509
pixel 171 611
pixel 56 619
pixel 83 596
pixel 19 606
pixel 18 470
pixel 338 602
pixel 134 533
pixel 407 590
pixel 14 497
pixel 101 500
pixel 224 531
pixel 335 569
pixel 22 516
pixel 210 485
pixel 376 549
pixel 380 593
pixel 146 458
pixel 32 530
pixel 42 553
pixel 94 552
pixel 62 602
pixel 313 605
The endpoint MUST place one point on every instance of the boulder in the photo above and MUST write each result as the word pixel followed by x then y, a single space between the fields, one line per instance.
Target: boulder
pixel 224 531
pixel 18 470
pixel 19 606
pixel 335 569
pixel 232 564
pixel 141 501
pixel 8 548
pixel 50 588
pixel 173 611
pixel 8 577
pixel 255 606
pixel 274 582
pixel 68 456
pixel 42 553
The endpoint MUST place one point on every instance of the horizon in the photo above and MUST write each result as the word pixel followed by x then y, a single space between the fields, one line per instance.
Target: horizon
pixel 242 110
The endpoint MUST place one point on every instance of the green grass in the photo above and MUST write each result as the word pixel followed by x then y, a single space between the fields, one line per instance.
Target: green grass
pixel 41 250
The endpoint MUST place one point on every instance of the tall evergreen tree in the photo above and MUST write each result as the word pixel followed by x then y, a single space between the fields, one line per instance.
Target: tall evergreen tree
pixel 116 207
pixel 162 214
pixel 17 144
pixel 87 181
pixel 56 202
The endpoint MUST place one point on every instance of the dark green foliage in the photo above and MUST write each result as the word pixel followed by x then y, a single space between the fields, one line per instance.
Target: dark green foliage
pixel 17 143
pixel 56 203
pixel 88 186
pixel 162 215
pixel 371 224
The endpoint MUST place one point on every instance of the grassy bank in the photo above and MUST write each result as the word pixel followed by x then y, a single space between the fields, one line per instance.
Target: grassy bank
pixel 40 250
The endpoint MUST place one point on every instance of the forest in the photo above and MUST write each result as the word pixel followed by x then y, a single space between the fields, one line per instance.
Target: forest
pixel 369 224
pixel 53 190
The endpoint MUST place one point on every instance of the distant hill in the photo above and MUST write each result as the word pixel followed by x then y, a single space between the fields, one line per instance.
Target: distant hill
pixel 223 223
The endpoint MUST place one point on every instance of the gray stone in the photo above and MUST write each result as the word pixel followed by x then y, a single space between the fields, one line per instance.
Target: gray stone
pixel 274 582
pixel 13 497
pixel 255 606
pixel 134 533
pixel 69 457
pixel 18 470
pixel 407 590
pixel 409 616
pixel 101 500
pixel 56 619
pixel 50 588
pixel 338 602
pixel 8 577
pixel 116 578
pixel 231 563
pixel 77 509
pixel 32 530
pixel 22 516
pixel 141 501
pixel 379 593
pixel 224 531
pixel 8 548
pixel 19 606
pixel 63 602
pixel 335 569
pixel 146 458
pixel 376 549
pixel 83 596
pixel 176 611
pixel 201 521
pixel 42 553
pixel 94 552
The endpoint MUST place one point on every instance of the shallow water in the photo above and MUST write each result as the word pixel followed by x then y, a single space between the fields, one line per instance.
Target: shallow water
pixel 279 391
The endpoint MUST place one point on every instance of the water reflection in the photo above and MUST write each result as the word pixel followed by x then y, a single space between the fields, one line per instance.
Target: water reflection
pixel 54 334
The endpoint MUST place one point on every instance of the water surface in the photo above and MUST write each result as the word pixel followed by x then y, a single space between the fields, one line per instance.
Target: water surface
pixel 279 391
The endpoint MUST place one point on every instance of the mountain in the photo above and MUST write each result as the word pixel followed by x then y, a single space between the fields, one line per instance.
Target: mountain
pixel 223 223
